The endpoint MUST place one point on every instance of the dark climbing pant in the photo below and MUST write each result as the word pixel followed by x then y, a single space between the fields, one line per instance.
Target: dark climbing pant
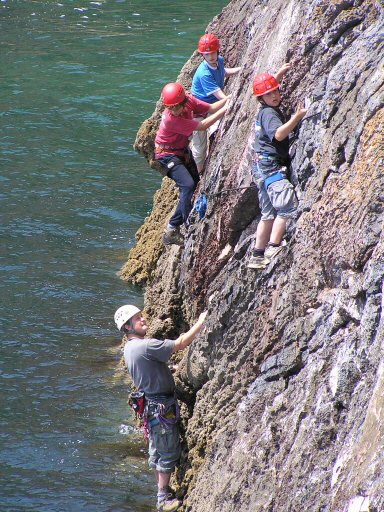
pixel 186 177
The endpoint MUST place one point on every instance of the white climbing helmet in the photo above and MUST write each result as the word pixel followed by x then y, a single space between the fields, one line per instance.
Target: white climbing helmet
pixel 125 313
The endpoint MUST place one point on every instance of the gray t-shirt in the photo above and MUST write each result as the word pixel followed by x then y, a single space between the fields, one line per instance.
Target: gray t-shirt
pixel 146 362
pixel 268 120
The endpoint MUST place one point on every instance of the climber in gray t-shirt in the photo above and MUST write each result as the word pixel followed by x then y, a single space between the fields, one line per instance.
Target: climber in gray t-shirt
pixel 146 360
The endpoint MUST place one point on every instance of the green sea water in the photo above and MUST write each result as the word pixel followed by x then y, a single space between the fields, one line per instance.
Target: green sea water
pixel 77 79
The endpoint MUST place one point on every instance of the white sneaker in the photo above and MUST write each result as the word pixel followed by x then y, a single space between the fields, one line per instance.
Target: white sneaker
pixel 271 251
pixel 257 262
pixel 173 237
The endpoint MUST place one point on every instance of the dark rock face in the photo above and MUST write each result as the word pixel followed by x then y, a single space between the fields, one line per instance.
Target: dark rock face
pixel 285 386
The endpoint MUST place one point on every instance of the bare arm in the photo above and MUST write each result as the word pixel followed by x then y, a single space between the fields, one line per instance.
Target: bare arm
pixel 220 95
pixel 232 71
pixel 218 104
pixel 216 111
pixel 284 68
pixel 186 339
pixel 285 129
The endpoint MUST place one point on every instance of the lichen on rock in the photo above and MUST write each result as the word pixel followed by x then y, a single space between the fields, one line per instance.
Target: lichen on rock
pixel 143 257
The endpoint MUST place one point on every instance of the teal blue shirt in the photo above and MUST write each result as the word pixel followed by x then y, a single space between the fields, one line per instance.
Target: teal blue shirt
pixel 208 80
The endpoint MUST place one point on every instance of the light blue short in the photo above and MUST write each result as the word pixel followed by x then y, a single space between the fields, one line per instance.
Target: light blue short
pixel 279 200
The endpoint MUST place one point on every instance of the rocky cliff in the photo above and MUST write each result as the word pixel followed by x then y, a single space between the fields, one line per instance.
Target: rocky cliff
pixel 285 386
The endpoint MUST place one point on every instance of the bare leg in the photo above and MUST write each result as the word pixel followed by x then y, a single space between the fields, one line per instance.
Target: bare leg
pixel 263 233
pixel 199 147
pixel 162 480
pixel 278 230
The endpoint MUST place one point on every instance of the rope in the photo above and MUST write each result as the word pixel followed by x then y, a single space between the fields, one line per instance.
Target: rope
pixel 312 115
pixel 226 190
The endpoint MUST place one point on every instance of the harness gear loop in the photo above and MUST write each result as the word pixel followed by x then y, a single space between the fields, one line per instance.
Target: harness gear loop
pixel 166 412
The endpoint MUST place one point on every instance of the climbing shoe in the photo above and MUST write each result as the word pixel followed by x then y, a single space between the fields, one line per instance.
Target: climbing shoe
pixel 272 250
pixel 167 502
pixel 257 262
pixel 173 237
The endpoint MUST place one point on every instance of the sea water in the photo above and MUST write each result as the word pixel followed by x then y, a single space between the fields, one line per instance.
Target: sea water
pixel 77 79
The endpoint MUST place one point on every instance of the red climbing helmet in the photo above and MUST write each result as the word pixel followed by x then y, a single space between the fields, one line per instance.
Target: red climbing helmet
pixel 173 94
pixel 208 43
pixel 264 83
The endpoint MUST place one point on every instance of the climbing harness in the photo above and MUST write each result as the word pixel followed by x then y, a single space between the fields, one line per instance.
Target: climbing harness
pixel 166 412
pixel 271 179
pixel 160 148
pixel 152 411
pixel 260 177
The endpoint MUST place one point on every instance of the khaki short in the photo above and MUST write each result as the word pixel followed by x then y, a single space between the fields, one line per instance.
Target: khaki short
pixel 279 199
pixel 199 144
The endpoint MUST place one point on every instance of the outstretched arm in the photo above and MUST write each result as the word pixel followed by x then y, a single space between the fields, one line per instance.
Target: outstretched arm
pixel 186 339
pixel 220 95
pixel 285 129
pixel 216 111
pixel 284 68
pixel 232 71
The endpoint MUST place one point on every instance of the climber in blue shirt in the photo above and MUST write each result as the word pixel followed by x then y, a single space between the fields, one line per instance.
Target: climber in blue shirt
pixel 208 82
pixel 208 85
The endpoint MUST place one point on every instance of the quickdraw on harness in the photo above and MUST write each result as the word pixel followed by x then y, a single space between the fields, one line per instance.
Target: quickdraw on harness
pixel 166 412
